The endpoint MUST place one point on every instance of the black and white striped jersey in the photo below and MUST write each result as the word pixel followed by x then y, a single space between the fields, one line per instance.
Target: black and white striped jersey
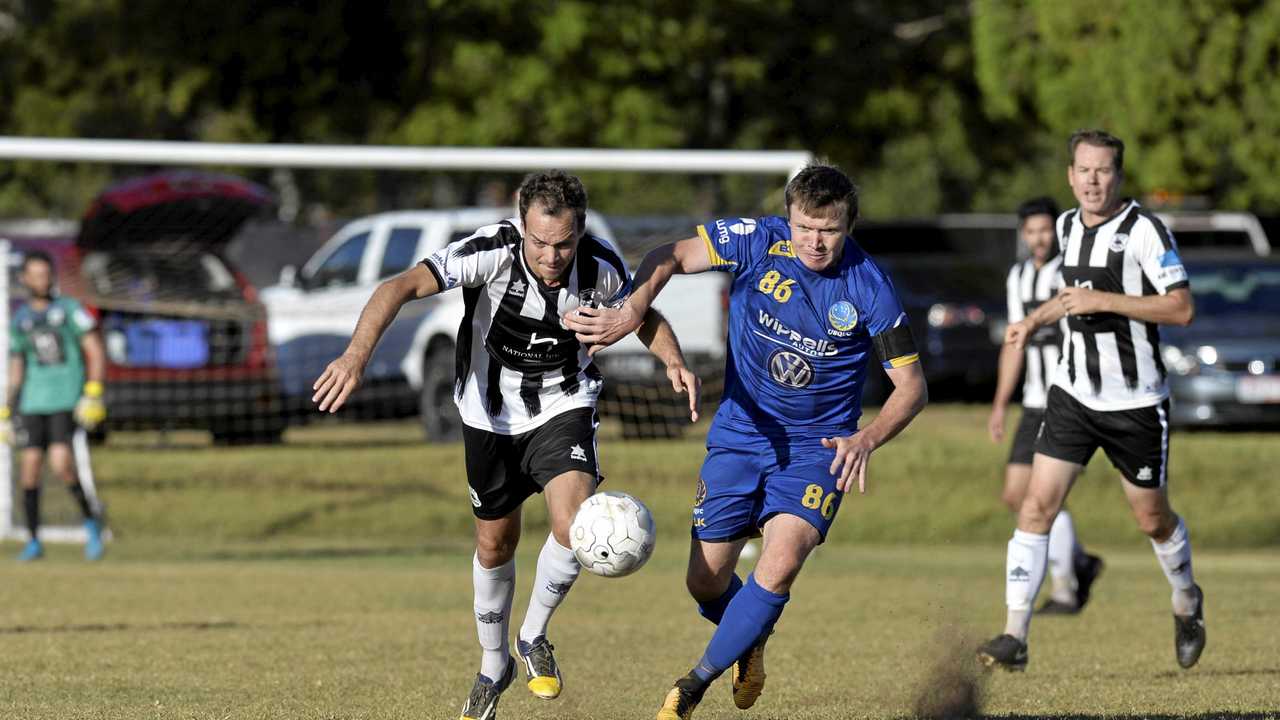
pixel 1111 362
pixel 517 365
pixel 1027 289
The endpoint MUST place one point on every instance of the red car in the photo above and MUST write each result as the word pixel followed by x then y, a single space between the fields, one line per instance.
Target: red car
pixel 185 335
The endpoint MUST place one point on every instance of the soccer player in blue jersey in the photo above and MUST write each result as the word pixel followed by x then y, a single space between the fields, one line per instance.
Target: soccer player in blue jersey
pixel 807 310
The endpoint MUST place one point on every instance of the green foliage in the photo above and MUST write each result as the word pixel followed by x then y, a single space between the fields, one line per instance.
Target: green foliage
pixel 932 105
pixel 1191 86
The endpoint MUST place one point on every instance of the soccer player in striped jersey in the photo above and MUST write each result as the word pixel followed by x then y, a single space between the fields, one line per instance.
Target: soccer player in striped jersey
pixel 808 309
pixel 1031 283
pixel 527 390
pixel 1122 278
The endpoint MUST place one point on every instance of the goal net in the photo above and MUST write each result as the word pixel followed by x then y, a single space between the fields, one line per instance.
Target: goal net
pixel 224 278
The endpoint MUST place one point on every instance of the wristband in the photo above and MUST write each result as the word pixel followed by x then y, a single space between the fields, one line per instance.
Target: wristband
pixel 93 389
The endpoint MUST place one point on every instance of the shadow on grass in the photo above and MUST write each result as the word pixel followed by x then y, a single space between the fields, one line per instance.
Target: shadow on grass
pixel 1221 673
pixel 327 553
pixel 117 627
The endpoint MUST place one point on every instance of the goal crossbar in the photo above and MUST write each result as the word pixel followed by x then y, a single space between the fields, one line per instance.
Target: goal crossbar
pixel 389 157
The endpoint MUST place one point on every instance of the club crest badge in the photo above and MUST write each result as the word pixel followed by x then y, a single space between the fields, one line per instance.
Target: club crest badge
pixel 843 317
pixel 1119 242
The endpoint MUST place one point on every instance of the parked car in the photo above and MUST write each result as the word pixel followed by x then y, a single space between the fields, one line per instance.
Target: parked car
pixel 314 310
pixel 1224 369
pixel 185 334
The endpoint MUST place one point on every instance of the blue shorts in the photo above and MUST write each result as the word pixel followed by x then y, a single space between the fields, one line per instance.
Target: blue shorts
pixel 748 478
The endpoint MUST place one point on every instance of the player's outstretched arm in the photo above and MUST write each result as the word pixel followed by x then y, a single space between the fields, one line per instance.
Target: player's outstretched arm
pixel 657 335
pixel 342 376
pixel 1008 371
pixel 1175 308
pixel 910 395
pixel 601 327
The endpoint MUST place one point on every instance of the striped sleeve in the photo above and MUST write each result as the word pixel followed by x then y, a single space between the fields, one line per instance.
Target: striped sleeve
pixel 471 261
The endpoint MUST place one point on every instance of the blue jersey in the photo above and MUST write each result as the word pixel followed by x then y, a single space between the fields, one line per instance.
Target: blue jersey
pixel 799 341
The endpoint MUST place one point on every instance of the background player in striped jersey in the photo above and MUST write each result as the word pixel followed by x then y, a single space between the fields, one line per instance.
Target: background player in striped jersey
pixel 1123 278
pixel 526 390
pixel 807 310
pixel 1032 282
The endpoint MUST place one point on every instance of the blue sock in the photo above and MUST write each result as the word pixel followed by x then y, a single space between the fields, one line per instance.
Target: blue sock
pixel 749 617
pixel 714 610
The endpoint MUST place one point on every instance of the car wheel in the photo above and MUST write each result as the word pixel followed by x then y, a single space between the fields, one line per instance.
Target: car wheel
pixel 440 418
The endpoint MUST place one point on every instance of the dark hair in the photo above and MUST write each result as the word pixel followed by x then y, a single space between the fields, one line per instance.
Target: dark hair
pixel 38 255
pixel 819 186
pixel 1037 206
pixel 1097 138
pixel 556 190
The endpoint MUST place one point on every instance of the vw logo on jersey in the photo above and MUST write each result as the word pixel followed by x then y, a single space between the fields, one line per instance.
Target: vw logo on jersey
pixel 790 369
pixel 744 226
pixel 843 317
pixel 1119 242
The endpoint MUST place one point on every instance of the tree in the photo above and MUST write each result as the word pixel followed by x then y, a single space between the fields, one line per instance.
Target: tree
pixel 1190 85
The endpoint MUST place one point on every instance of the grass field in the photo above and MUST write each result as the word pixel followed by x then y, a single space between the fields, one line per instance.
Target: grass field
pixel 329 578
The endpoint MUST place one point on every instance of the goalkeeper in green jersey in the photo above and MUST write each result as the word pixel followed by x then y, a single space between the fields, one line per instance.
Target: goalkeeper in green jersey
pixel 56 366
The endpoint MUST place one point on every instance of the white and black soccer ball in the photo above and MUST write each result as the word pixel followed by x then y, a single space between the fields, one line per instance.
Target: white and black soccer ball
pixel 612 535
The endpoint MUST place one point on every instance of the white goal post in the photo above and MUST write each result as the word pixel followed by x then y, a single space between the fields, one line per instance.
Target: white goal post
pixel 156 152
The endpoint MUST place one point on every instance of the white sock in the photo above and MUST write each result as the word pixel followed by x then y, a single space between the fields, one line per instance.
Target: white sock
pixel 557 569
pixel 1063 550
pixel 1024 571
pixel 494 588
pixel 1174 555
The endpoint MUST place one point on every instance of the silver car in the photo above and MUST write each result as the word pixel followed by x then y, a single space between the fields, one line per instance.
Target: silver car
pixel 1224 369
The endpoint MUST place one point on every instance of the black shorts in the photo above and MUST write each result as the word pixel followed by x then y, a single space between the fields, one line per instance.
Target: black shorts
pixel 1024 439
pixel 1136 441
pixel 504 470
pixel 41 431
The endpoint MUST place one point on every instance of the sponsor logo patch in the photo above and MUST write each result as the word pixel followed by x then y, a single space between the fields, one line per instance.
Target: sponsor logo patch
pixel 475 497
pixel 843 317
pixel 577 453
pixel 781 334
pixel 492 617
pixel 790 369
pixel 700 494
pixel 744 226
pixel 1019 575
pixel 1144 474
pixel 518 288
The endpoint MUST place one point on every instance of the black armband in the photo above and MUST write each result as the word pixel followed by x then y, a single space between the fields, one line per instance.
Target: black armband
pixel 895 346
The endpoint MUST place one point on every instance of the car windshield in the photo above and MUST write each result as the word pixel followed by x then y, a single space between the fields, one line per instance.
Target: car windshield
pixel 1235 289
pixel 150 275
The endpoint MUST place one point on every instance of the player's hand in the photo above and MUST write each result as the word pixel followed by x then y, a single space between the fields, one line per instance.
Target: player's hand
pixel 683 380
pixel 338 381
pixel 853 452
pixel 90 411
pixel 1082 301
pixel 598 328
pixel 995 423
pixel 1018 333
pixel 6 426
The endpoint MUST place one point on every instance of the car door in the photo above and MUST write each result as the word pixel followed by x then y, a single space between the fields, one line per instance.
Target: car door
pixel 332 290
pixel 403 246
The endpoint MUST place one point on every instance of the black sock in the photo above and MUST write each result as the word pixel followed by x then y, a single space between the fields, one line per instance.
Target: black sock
pixel 31 501
pixel 77 491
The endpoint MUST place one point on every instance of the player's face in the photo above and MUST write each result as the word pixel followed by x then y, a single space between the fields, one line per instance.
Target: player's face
pixel 550 242
pixel 1037 233
pixel 1094 179
pixel 817 234
pixel 38 277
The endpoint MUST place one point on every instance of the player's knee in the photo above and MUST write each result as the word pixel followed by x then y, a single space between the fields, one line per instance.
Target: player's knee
pixel 1036 514
pixel 777 580
pixel 1012 499
pixel 704 585
pixel 1155 524
pixel 495 550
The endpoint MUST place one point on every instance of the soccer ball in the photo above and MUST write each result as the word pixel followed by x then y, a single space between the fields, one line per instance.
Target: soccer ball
pixel 612 535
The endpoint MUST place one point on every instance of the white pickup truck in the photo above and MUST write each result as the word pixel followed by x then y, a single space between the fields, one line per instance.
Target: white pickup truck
pixel 312 312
